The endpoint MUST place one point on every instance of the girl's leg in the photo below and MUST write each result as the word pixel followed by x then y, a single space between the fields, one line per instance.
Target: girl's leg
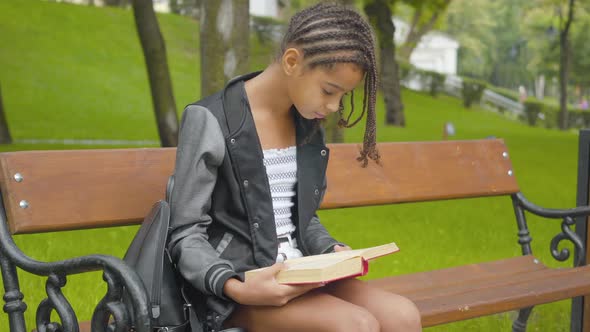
pixel 315 311
pixel 394 312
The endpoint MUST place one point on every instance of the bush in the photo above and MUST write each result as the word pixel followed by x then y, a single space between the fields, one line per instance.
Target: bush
pixel 429 80
pixel 472 91
pixel 434 80
pixel 532 109
pixel 578 118
pixel 267 29
pixel 510 94
pixel 551 115
pixel 549 112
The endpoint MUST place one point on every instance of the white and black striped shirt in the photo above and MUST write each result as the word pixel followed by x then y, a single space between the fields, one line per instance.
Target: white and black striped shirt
pixel 281 169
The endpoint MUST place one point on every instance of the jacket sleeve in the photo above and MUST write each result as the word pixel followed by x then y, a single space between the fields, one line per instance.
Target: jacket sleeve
pixel 200 152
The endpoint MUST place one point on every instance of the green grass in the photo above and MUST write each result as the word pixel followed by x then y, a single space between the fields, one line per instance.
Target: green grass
pixel 77 72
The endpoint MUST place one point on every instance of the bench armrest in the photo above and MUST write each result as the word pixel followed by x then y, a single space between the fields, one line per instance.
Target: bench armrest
pixel 118 275
pixel 552 213
pixel 567 215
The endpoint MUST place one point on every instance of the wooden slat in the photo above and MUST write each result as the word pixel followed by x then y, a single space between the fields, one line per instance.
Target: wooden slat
pixel 93 188
pixel 78 189
pixel 448 295
pixel 419 171
pixel 85 327
pixel 448 277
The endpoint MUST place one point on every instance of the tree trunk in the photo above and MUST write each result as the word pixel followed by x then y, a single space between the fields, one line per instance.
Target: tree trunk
pixel 379 14
pixel 564 63
pixel 224 42
pixel 4 132
pixel 154 52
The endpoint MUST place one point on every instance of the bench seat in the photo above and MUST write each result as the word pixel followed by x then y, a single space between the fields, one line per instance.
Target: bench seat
pixel 474 290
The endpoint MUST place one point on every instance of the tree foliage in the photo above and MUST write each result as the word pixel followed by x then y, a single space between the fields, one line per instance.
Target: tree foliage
pixel 426 15
pixel 471 22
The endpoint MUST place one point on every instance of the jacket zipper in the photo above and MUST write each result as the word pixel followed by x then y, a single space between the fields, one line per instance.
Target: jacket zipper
pixel 156 295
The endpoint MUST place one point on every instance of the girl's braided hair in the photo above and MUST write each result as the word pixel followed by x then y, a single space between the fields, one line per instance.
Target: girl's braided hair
pixel 328 34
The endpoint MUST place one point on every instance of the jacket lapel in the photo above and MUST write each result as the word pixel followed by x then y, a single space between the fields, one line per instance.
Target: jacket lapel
pixel 247 160
pixel 312 161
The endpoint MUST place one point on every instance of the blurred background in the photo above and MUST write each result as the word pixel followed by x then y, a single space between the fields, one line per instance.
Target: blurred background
pixel 117 73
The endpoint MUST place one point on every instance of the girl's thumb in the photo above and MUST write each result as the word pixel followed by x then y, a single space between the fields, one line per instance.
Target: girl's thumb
pixel 276 268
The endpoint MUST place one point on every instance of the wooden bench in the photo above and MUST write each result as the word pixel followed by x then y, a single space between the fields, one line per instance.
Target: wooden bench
pixel 64 190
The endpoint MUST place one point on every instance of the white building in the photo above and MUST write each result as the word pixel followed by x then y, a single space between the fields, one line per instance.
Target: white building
pixel 268 8
pixel 436 51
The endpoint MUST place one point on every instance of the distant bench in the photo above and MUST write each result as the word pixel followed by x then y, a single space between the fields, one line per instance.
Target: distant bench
pixel 64 190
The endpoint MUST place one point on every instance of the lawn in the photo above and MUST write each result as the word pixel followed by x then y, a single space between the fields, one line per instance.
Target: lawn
pixel 77 72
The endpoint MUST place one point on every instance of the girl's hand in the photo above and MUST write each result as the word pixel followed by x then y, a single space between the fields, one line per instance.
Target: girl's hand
pixel 263 289
pixel 338 248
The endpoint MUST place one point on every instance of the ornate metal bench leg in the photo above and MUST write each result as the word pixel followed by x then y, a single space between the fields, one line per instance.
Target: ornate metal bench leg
pixel 14 307
pixel 519 324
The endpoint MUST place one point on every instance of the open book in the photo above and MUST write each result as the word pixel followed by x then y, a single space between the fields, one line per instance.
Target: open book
pixel 329 267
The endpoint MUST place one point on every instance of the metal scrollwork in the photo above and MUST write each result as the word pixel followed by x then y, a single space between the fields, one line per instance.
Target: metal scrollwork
pixel 567 234
pixel 111 305
pixel 11 257
pixel 56 301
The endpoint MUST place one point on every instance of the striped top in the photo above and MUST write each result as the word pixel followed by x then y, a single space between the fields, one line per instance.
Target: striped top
pixel 281 169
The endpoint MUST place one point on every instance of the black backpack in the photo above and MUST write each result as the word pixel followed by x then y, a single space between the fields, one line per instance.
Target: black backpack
pixel 170 309
pixel 148 255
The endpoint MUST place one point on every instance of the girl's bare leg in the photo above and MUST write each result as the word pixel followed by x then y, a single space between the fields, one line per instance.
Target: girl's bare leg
pixel 394 312
pixel 315 311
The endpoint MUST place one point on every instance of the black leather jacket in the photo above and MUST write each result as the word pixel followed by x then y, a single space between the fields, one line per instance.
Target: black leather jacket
pixel 222 217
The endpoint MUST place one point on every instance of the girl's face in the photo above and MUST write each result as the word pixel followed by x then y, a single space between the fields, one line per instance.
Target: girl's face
pixel 316 93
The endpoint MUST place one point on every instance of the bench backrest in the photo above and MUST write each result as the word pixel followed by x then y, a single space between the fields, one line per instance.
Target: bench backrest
pixel 76 189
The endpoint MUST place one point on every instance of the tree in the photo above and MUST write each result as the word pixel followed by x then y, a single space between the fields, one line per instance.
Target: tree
pixel 426 15
pixel 542 26
pixel 564 62
pixel 379 13
pixel 581 54
pixel 224 42
pixel 472 22
pixel 154 52
pixel 5 137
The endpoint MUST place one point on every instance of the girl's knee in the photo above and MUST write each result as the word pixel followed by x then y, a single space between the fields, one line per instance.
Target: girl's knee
pixel 360 320
pixel 409 315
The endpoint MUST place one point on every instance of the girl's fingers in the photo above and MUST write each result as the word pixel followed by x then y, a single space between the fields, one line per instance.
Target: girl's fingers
pixel 338 248
pixel 274 269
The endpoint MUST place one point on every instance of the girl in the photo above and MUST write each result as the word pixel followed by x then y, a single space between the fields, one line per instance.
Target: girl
pixel 250 175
